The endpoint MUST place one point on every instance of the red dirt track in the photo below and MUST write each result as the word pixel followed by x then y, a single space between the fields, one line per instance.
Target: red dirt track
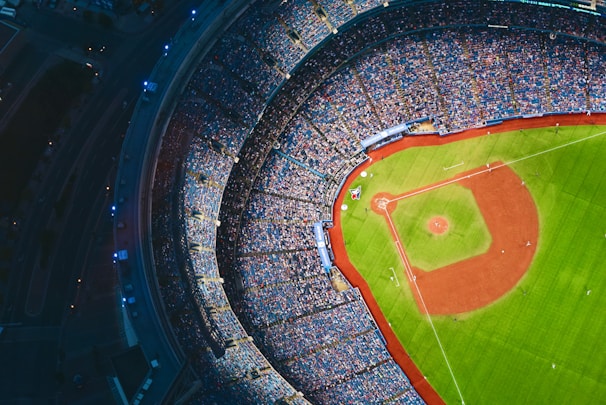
pixel 499 261
pixel 512 220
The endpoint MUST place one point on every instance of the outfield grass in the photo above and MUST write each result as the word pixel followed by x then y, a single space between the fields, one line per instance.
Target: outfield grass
pixel 504 353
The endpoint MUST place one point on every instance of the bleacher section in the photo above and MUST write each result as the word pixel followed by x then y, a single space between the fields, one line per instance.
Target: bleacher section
pixel 250 238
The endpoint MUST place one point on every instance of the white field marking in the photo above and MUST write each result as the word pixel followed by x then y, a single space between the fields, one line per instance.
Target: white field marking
pixel 395 276
pixel 452 167
pixel 451 181
pixel 413 279
pixel 399 247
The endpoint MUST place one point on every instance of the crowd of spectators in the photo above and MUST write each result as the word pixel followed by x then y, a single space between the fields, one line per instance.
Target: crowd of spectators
pixel 295 136
pixel 266 236
pixel 526 67
pixel 204 263
pixel 200 232
pixel 293 337
pixel 361 388
pixel 362 6
pixel 263 205
pixel 284 177
pixel 195 302
pixel 596 60
pixel 453 78
pixel 388 100
pixel 327 121
pixel 301 17
pixel 205 163
pixel 243 59
pixel 262 388
pixel 415 75
pixel 338 12
pixel 275 302
pixel 230 327
pixel 568 91
pixel 459 79
pixel 260 270
pixel 330 365
pixel 226 92
pixel 302 142
pixel 267 33
pixel 490 70
pixel 344 93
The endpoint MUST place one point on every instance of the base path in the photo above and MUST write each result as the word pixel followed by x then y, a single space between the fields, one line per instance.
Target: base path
pixel 512 220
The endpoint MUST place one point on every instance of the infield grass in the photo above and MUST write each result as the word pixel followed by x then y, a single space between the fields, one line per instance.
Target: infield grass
pixel 467 234
pixel 542 343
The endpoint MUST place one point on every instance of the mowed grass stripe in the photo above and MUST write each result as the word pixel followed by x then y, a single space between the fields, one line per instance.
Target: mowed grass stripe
pixel 503 353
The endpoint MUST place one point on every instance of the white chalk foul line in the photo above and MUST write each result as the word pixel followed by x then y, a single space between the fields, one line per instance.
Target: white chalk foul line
pixel 412 278
pixel 487 170
pixel 452 167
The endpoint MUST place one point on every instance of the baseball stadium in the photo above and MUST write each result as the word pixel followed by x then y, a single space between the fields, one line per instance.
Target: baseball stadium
pixel 383 202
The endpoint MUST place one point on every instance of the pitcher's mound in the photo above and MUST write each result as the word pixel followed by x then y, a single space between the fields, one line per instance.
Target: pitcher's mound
pixel 437 225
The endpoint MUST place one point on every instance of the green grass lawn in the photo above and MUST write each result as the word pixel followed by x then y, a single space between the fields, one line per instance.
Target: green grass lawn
pixel 505 353
pixel 467 234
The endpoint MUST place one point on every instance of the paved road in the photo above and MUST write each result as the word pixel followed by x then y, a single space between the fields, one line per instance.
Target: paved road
pixel 46 341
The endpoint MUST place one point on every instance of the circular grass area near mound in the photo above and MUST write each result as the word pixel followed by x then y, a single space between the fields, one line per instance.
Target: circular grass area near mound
pixel 467 235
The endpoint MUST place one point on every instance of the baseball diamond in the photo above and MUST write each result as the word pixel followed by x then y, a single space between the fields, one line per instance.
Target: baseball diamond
pixel 512 219
pixel 521 183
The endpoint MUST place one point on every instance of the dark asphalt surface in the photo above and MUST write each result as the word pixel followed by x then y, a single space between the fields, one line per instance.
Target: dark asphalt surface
pixel 45 342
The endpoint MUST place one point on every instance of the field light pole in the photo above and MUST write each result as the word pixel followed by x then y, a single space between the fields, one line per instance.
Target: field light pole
pixel 395 277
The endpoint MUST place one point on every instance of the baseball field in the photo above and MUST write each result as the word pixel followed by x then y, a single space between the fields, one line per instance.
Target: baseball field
pixel 484 256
